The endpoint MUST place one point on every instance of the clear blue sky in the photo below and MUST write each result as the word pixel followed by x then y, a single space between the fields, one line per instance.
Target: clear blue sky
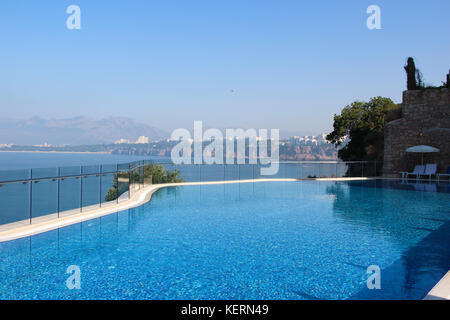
pixel 234 63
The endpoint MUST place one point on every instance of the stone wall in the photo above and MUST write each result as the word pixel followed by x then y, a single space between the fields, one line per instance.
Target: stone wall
pixel 425 120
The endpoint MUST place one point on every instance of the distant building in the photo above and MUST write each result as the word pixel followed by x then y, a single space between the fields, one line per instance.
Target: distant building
pixel 142 140
pixel 308 140
pixel 295 140
pixel 122 141
pixel 45 145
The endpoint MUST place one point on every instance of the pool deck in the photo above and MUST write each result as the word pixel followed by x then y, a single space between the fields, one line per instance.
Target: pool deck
pixel 441 290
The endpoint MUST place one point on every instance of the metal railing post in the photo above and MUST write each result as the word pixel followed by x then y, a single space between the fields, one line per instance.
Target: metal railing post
pixel 117 183
pixel 81 188
pixel 129 181
pixel 141 176
pixel 31 195
pixel 100 186
pixel 301 170
pixel 58 190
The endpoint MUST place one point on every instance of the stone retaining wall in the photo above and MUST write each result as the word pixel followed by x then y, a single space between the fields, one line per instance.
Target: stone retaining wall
pixel 425 120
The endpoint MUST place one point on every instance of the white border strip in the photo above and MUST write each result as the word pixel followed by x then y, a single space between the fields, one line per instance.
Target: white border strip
pixel 441 290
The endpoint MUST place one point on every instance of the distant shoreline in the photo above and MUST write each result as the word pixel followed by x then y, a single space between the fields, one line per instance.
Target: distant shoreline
pixel 69 152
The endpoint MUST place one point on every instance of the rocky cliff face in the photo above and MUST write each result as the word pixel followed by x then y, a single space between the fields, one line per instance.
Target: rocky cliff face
pixel 308 153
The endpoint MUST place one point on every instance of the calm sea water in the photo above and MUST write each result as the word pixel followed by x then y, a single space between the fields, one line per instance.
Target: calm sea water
pixel 27 160
pixel 277 240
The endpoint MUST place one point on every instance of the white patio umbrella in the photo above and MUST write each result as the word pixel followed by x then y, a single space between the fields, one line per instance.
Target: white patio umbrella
pixel 422 149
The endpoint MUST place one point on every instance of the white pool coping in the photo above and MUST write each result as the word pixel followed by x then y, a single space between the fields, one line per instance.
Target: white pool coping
pixel 441 290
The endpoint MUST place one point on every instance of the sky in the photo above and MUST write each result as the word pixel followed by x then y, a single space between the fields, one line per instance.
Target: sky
pixel 236 63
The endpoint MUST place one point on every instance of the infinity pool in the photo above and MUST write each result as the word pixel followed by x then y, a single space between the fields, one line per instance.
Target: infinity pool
pixel 268 240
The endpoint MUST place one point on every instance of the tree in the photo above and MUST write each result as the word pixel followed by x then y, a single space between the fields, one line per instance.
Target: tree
pixel 118 187
pixel 361 127
pixel 161 175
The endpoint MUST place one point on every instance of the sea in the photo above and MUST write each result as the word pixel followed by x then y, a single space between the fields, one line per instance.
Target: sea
pixel 28 160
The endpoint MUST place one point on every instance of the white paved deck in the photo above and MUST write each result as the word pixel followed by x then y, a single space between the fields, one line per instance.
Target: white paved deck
pixel 441 290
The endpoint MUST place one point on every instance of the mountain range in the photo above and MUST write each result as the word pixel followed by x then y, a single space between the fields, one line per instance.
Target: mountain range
pixel 75 131
pixel 82 130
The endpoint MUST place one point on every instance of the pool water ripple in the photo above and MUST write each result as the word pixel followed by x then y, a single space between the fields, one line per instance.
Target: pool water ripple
pixel 271 240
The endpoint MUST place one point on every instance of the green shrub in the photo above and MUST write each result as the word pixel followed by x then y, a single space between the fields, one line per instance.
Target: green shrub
pixel 155 171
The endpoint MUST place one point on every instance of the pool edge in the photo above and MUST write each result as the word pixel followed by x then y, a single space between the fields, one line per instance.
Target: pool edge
pixel 441 291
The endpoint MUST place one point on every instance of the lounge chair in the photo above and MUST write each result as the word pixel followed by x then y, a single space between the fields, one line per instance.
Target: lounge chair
pixel 446 174
pixel 418 170
pixel 430 170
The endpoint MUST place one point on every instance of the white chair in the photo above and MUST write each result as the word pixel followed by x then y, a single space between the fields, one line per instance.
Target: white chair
pixel 430 170
pixel 418 170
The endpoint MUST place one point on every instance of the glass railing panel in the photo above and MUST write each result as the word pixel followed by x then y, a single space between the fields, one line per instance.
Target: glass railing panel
pixel 245 171
pixel 341 169
pixel 147 175
pixel 108 168
pixel 108 189
pixel 69 196
pixel 69 171
pixel 41 173
pixel 14 175
pixel 189 172
pixel 90 191
pixel 14 203
pixel 291 170
pixel 231 172
pixel 308 170
pixel 123 186
pixel 354 169
pixel 95 169
pixel 44 200
pixel 211 172
pixel 123 167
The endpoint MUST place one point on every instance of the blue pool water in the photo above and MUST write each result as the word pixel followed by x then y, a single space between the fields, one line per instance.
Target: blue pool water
pixel 274 240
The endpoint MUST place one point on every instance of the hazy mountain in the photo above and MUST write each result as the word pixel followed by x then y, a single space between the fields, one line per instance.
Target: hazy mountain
pixel 75 131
